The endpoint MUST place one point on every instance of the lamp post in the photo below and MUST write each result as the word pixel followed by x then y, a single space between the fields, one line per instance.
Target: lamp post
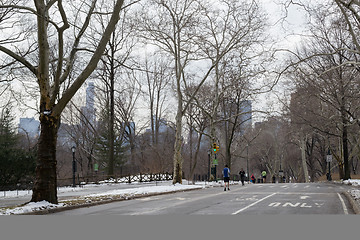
pixel 209 154
pixel 247 163
pixel 73 149
pixel 328 160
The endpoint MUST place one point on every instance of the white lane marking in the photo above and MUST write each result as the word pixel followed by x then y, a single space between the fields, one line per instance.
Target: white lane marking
pixel 343 204
pixel 274 204
pixel 237 212
pixel 176 204
pixel 291 204
pixel 304 197
pixel 288 204
pixel 305 206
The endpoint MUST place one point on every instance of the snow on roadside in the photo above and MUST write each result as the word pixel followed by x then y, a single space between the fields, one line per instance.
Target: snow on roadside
pixel 112 194
pixel 144 190
pixel 354 192
pixel 30 207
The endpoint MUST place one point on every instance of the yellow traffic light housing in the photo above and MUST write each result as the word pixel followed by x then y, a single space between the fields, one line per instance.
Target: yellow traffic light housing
pixel 215 148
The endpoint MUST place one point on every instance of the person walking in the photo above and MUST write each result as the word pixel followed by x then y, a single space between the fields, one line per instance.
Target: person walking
pixel 242 176
pixel 253 178
pixel 226 173
pixel 263 174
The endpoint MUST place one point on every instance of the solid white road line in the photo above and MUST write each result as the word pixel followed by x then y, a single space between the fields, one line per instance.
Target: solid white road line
pixel 237 212
pixel 343 204
pixel 152 211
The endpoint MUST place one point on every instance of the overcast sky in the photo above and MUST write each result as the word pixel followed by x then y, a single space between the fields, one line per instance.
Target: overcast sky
pixel 285 31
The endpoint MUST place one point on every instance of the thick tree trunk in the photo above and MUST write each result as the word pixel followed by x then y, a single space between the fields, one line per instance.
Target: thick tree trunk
pixel 192 169
pixel 177 178
pixel 303 159
pixel 347 172
pixel 111 124
pixel 44 188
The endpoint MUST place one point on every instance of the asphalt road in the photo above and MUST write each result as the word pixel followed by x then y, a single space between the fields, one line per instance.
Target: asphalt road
pixel 255 199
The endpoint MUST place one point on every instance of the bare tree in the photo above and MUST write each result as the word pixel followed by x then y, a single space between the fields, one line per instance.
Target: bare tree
pixel 177 40
pixel 51 59
pixel 198 33
pixel 116 56
pixel 125 106
pixel 197 119
pixel 325 66
pixel 158 76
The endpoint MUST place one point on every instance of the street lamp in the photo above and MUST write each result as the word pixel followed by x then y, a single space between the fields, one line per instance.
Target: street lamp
pixel 73 149
pixel 247 162
pixel 328 160
pixel 209 154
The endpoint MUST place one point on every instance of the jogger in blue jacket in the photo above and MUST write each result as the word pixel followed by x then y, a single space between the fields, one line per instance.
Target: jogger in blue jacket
pixel 226 173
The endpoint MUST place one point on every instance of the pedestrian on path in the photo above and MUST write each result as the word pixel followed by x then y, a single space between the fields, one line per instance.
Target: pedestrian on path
pixel 226 173
pixel 242 176
pixel 253 178
pixel 263 174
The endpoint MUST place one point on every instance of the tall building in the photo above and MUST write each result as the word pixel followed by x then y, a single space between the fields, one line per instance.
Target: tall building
pixel 29 127
pixel 163 125
pixel 242 110
pixel 89 109
pixel 90 95
pixel 246 114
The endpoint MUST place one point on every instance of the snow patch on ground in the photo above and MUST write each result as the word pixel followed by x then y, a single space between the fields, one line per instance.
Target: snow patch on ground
pixel 30 207
pixel 94 197
pixel 354 192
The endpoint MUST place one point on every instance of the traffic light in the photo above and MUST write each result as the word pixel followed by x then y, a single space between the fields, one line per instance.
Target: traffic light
pixel 215 148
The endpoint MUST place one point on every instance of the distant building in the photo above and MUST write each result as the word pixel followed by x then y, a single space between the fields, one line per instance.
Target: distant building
pixel 129 131
pixel 163 126
pixel 89 109
pixel 243 111
pixel 29 127
pixel 246 115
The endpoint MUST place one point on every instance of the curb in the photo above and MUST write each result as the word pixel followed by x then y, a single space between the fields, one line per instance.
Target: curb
pixel 354 204
pixel 85 205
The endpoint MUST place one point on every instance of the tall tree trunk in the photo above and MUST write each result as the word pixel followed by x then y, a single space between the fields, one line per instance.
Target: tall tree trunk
pixel 345 149
pixel 53 101
pixel 303 159
pixel 192 169
pixel 190 150
pixel 111 121
pixel 45 184
pixel 177 178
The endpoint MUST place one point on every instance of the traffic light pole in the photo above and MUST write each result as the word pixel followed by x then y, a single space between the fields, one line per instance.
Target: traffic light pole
pixel 215 162
pixel 215 169
pixel 209 165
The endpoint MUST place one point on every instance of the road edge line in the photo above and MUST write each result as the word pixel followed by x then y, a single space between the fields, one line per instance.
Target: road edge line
pixel 346 212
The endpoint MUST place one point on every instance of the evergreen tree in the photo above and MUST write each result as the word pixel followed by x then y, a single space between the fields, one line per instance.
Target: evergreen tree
pixel 16 165
pixel 103 144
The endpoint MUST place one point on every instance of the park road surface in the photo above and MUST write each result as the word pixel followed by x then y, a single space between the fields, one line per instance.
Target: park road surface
pixel 258 199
